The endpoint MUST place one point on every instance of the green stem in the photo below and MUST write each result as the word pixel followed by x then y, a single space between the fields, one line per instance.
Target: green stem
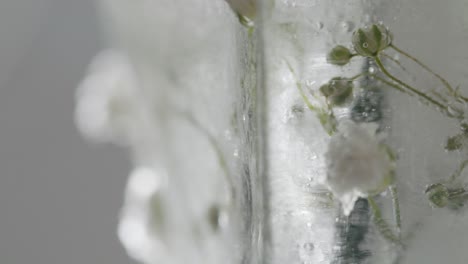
pixel 327 119
pixel 357 76
pixel 381 224
pixel 396 209
pixel 394 60
pixel 463 98
pixel 382 80
pixel 301 91
pixel 409 87
pixel 392 85
pixel 445 82
pixel 459 171
pixel 438 95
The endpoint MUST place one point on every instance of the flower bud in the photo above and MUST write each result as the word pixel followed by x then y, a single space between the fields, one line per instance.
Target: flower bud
pixel 337 90
pixel 438 195
pixel 454 143
pixel 369 41
pixel 339 55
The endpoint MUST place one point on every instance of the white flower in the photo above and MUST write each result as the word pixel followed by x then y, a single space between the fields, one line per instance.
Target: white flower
pixel 357 163
pixel 107 102
pixel 137 229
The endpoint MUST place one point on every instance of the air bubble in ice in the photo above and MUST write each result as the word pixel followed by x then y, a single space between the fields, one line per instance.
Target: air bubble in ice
pixel 308 246
pixel 347 26
pixel 454 111
pixel 319 25
pixel 309 83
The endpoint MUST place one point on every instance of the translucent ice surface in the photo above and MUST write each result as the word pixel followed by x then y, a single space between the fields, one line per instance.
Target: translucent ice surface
pixel 240 155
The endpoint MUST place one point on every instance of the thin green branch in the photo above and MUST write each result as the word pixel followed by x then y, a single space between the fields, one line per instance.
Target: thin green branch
pixel 409 87
pixel 381 224
pixel 357 76
pixel 383 81
pixel 327 119
pixel 396 209
pixel 459 171
pixel 394 60
pixel 440 96
pixel 445 82
pixel 392 85
pixel 301 91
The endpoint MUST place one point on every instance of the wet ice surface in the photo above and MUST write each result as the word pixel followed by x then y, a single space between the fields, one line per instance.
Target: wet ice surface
pixel 189 71
pixel 302 211
pixel 297 143
pixel 189 58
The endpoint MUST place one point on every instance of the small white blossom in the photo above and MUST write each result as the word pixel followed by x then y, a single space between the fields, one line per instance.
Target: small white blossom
pixel 137 229
pixel 106 100
pixel 357 163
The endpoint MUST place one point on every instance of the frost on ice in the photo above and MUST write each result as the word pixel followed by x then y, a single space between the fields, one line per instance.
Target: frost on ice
pixel 357 163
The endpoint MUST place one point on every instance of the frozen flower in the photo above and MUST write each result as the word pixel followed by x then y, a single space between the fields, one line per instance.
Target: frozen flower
pixel 142 216
pixel 338 90
pixel 339 55
pixel 358 164
pixel 106 100
pixel 369 41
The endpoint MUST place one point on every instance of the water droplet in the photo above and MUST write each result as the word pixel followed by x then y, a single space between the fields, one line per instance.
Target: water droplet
pixel 309 83
pixel 365 45
pixel 347 26
pixel 308 246
pixel 454 111
pixel 371 69
pixel 319 25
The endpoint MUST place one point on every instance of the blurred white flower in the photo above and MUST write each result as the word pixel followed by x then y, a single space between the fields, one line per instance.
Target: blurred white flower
pixel 136 229
pixel 357 163
pixel 106 100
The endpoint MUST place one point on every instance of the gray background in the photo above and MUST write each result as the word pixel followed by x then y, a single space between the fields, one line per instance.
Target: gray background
pixel 59 195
